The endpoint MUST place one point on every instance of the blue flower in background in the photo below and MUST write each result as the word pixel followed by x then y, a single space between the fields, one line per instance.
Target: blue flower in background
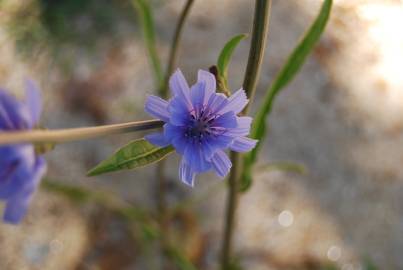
pixel 20 168
pixel 201 124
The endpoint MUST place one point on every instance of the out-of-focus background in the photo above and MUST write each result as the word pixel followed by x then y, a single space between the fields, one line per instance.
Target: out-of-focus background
pixel 341 118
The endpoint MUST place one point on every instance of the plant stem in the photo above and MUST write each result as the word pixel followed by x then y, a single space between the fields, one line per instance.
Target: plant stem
pixel 258 46
pixel 144 11
pixel 232 202
pixel 161 189
pixel 256 53
pixel 173 54
pixel 74 134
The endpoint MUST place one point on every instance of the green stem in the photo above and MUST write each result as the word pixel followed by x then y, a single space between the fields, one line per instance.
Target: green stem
pixel 256 53
pixel 144 11
pixel 258 45
pixel 161 195
pixel 74 134
pixel 173 54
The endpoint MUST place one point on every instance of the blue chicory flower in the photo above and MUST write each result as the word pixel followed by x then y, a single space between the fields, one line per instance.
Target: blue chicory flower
pixel 201 124
pixel 20 168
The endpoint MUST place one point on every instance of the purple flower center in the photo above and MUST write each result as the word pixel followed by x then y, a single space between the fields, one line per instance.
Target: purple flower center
pixel 201 125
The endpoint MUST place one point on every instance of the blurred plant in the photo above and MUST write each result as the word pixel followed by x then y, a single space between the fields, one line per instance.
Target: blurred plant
pixel 21 167
pixel 36 25
pixel 199 123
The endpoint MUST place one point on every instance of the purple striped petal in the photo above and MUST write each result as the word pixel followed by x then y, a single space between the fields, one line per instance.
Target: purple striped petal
pixel 242 129
pixel 179 87
pixel 158 139
pixel 195 158
pixel 216 102
pixel 157 107
pixel 221 163
pixel 186 174
pixel 180 114
pixel 197 94
pixel 210 83
pixel 243 144
pixel 227 120
pixel 236 102
pixel 220 141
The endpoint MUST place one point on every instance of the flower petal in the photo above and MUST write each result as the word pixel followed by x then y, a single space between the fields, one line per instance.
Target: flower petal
pixel 221 163
pixel 216 102
pixel 180 145
pixel 16 168
pixel 157 107
pixel 243 144
pixel 179 87
pixel 158 139
pixel 176 136
pixel 33 101
pixel 197 93
pixel 12 112
pixel 209 81
pixel 5 121
pixel 171 132
pixel 180 114
pixel 236 102
pixel 220 141
pixel 227 120
pixel 195 158
pixel 16 206
pixel 186 174
pixel 242 129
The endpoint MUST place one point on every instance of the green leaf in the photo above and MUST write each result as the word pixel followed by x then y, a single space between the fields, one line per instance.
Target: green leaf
pixel 143 10
pixel 136 154
pixel 286 74
pixel 225 57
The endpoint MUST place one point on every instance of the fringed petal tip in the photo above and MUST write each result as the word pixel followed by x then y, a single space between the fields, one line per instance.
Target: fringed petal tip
pixel 186 173
pixel 236 102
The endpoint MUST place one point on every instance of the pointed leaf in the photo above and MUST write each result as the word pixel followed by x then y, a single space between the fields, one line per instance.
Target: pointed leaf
pixel 225 57
pixel 226 53
pixel 286 74
pixel 136 154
